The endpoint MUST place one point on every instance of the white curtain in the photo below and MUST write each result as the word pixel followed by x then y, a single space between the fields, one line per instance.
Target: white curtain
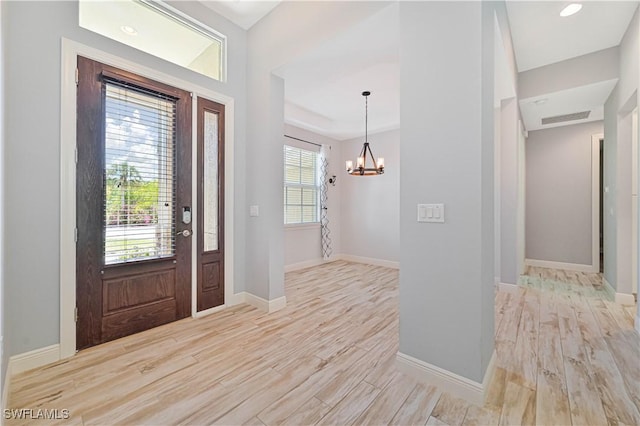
pixel 325 153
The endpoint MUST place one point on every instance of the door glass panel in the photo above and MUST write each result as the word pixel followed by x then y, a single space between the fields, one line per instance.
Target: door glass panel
pixel 210 184
pixel 139 197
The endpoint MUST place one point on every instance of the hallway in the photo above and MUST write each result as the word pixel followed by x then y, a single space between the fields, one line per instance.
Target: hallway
pixel 566 353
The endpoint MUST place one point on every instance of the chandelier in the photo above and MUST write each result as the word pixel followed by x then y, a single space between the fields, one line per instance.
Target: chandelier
pixel 361 168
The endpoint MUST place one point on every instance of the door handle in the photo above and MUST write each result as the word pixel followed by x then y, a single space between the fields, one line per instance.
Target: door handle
pixel 185 233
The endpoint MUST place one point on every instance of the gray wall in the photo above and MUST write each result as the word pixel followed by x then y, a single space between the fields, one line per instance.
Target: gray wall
pixel 4 361
pixel 624 97
pixel 623 209
pixel 610 161
pixel 558 188
pixel 370 207
pixel 509 184
pixel 32 156
pixel 583 70
pixel 446 104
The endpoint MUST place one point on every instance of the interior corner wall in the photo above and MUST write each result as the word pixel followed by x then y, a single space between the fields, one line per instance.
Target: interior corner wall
pixel 304 244
pixel 559 189
pixel 447 268
pixel 370 206
pixel 620 102
pixel 610 233
pixel 623 207
pixel 33 33
pixel 265 175
pixel 4 358
pixel 509 186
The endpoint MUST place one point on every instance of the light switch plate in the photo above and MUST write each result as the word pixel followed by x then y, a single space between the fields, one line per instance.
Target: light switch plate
pixel 254 211
pixel 433 213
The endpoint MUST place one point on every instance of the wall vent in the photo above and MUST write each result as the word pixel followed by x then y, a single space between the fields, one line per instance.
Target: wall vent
pixel 566 117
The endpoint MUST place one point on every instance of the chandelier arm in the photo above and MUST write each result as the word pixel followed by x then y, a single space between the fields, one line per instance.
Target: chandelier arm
pixel 373 159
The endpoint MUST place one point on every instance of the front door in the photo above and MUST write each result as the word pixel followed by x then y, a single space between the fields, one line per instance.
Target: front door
pixel 133 203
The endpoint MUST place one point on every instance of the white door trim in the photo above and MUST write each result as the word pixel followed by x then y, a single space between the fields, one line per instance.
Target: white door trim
pixel 70 52
pixel 595 201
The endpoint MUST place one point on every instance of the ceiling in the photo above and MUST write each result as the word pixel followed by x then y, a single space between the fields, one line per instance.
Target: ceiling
pixel 323 86
pixel 243 13
pixel 541 37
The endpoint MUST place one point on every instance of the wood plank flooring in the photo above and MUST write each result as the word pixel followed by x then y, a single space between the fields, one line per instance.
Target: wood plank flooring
pixel 566 354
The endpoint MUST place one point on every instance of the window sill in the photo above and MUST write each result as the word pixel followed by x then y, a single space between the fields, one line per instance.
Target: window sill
pixel 301 226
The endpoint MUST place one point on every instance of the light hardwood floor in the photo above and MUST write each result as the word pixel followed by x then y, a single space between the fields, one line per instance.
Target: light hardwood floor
pixel 564 355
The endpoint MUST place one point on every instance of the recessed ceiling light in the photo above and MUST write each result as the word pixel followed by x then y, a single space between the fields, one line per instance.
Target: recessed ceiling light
pixel 571 9
pixel 129 30
pixel 540 101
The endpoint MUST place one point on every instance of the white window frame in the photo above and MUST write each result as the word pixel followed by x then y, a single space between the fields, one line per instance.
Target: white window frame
pixel 316 186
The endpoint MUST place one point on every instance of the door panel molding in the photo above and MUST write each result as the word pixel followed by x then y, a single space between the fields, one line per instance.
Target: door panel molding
pixel 69 53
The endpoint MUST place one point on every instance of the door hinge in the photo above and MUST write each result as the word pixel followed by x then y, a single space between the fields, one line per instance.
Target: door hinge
pixel 75 314
pixel 77 76
pixel 75 234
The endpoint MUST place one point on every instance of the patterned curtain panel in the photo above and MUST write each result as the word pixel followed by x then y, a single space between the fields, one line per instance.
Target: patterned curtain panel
pixel 325 151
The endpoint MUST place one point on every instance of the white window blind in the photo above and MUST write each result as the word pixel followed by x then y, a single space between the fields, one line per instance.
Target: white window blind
pixel 301 191
pixel 139 174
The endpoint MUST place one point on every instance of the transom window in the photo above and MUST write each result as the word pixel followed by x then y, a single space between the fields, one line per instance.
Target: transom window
pixel 301 189
pixel 159 30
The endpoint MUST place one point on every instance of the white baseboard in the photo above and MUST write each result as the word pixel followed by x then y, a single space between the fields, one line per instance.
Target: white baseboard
pixel 509 288
pixel 34 359
pixel 488 375
pixel 310 263
pixel 561 265
pixel 268 306
pixel 371 261
pixel 236 299
pixel 620 298
pixel 6 388
pixel 625 299
pixel 345 257
pixel 447 381
pixel 609 288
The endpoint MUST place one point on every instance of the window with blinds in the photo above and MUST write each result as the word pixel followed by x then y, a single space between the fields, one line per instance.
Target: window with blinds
pixel 301 190
pixel 139 174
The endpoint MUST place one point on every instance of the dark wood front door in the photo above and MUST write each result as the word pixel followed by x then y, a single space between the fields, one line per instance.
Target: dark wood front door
pixel 211 204
pixel 133 195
